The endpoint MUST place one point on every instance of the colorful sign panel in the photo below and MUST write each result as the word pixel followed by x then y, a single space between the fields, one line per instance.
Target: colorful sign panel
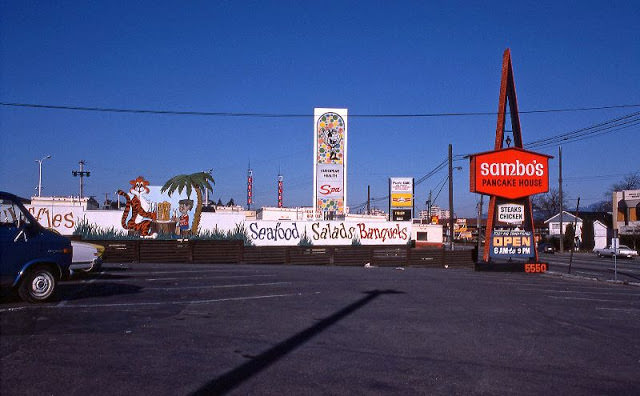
pixel 249 188
pixel 511 213
pixel 280 183
pixel 511 243
pixel 401 192
pixel 509 173
pixel 330 161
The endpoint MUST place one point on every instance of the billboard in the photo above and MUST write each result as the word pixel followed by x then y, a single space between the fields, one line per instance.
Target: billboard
pixel 401 192
pixel 329 161
pixel 509 173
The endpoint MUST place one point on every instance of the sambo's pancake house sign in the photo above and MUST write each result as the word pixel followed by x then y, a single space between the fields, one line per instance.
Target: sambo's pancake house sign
pixel 509 173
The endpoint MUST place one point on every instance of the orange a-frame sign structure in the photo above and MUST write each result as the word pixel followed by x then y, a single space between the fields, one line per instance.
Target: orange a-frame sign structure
pixel 510 176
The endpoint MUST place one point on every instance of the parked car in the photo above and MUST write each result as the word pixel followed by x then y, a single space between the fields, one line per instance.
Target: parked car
pixel 622 251
pixel 32 259
pixel 546 248
pixel 87 257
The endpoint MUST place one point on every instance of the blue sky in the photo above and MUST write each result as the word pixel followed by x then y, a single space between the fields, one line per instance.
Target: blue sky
pixel 287 57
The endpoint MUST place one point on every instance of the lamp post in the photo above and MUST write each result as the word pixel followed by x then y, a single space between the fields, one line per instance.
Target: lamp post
pixel 40 173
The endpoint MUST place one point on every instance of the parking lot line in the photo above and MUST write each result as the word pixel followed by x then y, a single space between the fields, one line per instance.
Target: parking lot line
pixel 156 303
pixel 589 299
pixel 621 293
pixel 218 286
pixel 135 272
pixel 213 277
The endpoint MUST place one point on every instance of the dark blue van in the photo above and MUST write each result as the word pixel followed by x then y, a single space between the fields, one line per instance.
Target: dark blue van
pixel 32 258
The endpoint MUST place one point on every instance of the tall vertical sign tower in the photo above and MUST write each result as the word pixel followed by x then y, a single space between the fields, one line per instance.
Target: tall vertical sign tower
pixel 329 162
pixel 280 185
pixel 510 176
pixel 249 187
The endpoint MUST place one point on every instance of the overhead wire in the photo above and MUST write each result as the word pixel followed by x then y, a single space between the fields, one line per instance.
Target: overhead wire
pixel 293 115
pixel 608 126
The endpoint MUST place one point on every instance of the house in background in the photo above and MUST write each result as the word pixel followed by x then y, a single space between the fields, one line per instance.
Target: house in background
pixel 600 235
pixel 602 227
pixel 553 225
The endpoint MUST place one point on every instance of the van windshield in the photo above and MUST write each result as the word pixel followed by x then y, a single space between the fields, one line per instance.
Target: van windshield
pixel 12 214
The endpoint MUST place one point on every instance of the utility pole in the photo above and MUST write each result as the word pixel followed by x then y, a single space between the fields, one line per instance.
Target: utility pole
pixel 450 197
pixel 429 203
pixel 368 199
pixel 560 196
pixel 40 173
pixel 82 173
pixel 575 232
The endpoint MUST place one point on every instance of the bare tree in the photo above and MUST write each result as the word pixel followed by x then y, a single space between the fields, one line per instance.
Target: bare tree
pixel 548 204
pixel 629 182
pixel 601 206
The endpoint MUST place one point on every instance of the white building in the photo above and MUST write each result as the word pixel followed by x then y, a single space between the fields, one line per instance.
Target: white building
pixel 435 211
pixel 287 214
pixel 86 203
pixel 600 235
pixel 553 224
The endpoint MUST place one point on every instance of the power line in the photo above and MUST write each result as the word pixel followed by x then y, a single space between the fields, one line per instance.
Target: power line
pixel 293 115
pixel 609 126
pixel 422 179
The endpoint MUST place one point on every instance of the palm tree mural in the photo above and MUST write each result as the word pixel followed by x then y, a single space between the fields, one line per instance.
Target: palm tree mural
pixel 199 182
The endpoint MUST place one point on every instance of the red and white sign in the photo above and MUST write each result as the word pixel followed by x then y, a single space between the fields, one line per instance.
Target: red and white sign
pixel 509 173
pixel 330 181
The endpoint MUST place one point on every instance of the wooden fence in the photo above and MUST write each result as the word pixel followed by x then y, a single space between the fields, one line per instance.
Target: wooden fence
pixel 234 252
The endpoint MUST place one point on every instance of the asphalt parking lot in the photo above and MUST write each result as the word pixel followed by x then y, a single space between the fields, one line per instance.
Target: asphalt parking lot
pixel 212 329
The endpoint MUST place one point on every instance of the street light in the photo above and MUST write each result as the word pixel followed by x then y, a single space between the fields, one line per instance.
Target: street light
pixel 40 173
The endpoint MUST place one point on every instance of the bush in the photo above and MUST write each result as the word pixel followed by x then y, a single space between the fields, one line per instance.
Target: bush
pixel 305 241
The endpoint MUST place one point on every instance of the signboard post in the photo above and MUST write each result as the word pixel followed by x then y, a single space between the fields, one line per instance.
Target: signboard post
pixel 510 176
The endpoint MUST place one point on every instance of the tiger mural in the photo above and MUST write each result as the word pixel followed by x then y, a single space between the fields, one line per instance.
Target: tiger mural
pixel 138 187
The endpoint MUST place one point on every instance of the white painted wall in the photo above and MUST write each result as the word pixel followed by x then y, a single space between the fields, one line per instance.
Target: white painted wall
pixel 261 232
pixel 599 235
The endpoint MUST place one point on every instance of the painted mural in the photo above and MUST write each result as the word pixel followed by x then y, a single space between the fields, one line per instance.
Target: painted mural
pixel 151 210
pixel 138 216
pixel 330 139
pixel 107 223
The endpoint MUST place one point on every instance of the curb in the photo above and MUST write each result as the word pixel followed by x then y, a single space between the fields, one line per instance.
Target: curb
pixel 581 277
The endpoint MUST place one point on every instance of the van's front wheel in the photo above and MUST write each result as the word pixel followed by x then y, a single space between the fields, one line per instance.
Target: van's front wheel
pixel 38 285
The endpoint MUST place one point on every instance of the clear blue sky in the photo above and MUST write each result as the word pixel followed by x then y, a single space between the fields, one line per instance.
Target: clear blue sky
pixel 287 57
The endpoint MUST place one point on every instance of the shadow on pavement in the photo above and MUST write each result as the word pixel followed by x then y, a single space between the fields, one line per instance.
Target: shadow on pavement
pixel 237 376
